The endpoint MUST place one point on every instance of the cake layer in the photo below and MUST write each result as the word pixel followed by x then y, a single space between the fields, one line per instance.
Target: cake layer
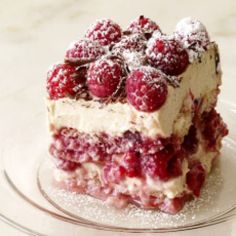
pixel 199 83
pixel 147 192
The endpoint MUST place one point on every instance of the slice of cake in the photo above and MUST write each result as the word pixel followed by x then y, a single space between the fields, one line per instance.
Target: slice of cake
pixel 132 113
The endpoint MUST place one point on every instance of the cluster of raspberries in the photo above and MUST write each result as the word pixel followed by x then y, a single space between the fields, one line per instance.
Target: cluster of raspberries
pixel 99 63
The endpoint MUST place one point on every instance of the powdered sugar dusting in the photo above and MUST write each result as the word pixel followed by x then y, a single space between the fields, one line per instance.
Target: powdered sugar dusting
pixel 133 42
pixel 83 51
pixel 190 25
pixel 104 76
pixel 62 80
pixel 167 54
pixel 131 47
pixel 134 59
pixel 104 31
pixel 146 89
pixel 193 35
pixel 143 25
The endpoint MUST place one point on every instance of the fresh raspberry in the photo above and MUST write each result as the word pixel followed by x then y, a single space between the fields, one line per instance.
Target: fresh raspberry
pixel 167 54
pixel 134 42
pixel 113 172
pixel 149 165
pixel 196 178
pixel 104 77
pixel 83 51
pixel 66 165
pixel 104 31
pixel 213 128
pixel 190 143
pixel 157 164
pixel 143 25
pixel 63 80
pixel 192 33
pixel 146 89
pixel 174 167
pixel 132 164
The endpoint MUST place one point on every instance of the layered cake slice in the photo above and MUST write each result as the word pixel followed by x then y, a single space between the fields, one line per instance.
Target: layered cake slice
pixel 132 113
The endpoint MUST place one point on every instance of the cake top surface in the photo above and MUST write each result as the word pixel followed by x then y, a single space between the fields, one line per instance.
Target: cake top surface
pixel 135 65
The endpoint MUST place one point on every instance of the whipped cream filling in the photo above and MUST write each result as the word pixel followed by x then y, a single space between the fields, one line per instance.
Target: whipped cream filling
pixel 198 80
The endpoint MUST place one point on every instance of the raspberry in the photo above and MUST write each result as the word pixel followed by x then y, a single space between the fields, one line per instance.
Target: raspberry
pixel 190 143
pixel 133 42
pixel 105 32
pixel 104 77
pixel 174 167
pixel 163 164
pixel 66 165
pixel 213 128
pixel 149 165
pixel 63 80
pixel 132 164
pixel 192 33
pixel 196 178
pixel 156 165
pixel 146 89
pixel 83 51
pixel 112 172
pixel 167 54
pixel 143 25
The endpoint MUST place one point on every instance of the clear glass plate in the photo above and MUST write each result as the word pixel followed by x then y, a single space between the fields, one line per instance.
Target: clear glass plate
pixel 27 186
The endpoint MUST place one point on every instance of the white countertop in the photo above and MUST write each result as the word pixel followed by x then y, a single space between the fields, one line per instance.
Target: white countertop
pixel 34 34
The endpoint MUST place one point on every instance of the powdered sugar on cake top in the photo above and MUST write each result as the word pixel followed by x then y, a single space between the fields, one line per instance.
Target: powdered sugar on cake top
pixel 146 89
pixel 143 25
pixel 62 80
pixel 134 42
pixel 167 54
pixel 83 51
pixel 132 48
pixel 193 35
pixel 104 76
pixel 190 26
pixel 134 59
pixel 104 31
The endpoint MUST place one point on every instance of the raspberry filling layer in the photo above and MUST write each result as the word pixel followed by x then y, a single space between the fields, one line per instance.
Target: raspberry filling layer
pixel 134 157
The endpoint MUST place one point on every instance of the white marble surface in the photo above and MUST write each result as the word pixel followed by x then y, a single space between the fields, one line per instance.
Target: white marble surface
pixel 35 33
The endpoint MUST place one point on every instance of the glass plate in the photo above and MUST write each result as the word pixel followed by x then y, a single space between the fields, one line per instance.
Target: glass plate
pixel 27 183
